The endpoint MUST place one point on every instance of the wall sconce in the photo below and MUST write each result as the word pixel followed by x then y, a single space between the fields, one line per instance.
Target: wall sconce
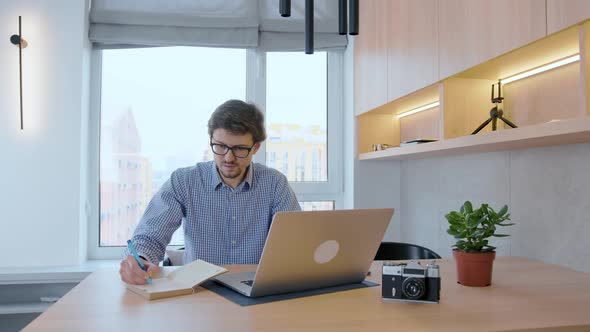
pixel 18 40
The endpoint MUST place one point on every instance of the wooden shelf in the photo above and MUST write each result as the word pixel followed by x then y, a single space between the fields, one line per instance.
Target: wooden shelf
pixel 568 131
pixel 550 108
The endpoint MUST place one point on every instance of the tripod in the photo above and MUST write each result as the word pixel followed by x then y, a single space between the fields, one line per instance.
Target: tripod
pixel 496 112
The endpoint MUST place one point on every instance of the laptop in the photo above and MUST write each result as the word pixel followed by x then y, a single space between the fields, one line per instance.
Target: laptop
pixel 313 249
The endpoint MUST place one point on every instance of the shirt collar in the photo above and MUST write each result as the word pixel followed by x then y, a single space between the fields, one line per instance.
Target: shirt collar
pixel 216 182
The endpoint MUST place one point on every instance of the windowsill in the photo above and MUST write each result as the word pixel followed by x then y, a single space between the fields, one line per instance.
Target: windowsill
pixel 60 274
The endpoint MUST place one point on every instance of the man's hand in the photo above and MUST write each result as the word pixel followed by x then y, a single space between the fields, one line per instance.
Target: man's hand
pixel 131 273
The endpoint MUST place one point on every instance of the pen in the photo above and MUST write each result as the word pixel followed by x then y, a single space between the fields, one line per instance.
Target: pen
pixel 134 252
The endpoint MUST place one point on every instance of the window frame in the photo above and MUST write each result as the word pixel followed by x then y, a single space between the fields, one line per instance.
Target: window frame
pixel 331 190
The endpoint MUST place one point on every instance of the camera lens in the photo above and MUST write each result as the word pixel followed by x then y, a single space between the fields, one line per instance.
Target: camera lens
pixel 413 288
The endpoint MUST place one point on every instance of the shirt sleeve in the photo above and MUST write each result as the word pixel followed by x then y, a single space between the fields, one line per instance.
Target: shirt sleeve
pixel 162 217
pixel 284 197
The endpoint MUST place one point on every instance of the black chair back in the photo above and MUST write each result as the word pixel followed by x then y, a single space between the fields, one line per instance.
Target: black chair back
pixel 403 251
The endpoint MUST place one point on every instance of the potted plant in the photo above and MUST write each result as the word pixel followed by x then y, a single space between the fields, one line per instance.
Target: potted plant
pixel 473 254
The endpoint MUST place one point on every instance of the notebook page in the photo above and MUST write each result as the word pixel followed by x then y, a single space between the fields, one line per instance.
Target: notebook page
pixel 195 273
pixel 161 282
pixel 160 285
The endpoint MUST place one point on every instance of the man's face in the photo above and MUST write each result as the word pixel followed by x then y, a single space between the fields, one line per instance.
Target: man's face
pixel 231 168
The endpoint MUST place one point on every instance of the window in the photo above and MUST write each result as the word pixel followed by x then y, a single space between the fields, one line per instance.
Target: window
pixel 297 113
pixel 317 206
pixel 154 106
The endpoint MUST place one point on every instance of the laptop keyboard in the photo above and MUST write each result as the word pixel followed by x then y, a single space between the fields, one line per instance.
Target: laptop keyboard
pixel 247 282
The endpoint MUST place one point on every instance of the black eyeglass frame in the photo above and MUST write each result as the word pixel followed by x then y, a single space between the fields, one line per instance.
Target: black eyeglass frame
pixel 228 148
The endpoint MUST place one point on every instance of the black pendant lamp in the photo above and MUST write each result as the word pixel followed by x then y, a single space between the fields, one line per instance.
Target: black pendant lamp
pixel 342 14
pixel 352 15
pixel 308 26
pixel 353 18
pixel 285 8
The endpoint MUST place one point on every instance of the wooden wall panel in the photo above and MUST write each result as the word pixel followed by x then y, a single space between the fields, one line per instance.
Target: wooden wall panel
pixel 564 13
pixel 370 57
pixel 412 56
pixel 474 31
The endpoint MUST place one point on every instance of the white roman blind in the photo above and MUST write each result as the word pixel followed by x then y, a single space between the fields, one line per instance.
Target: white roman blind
pixel 219 23
pixel 227 23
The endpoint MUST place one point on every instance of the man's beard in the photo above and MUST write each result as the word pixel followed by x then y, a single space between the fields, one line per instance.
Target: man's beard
pixel 231 175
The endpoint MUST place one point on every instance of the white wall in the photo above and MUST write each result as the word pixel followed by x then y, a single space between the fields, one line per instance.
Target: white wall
pixel 349 125
pixel 547 191
pixel 40 175
pixel 377 185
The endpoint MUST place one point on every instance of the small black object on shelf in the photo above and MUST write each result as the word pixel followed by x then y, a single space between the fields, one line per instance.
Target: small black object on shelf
pixel 496 112
pixel 417 141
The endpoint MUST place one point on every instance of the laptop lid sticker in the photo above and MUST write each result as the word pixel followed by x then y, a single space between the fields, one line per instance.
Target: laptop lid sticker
pixel 326 251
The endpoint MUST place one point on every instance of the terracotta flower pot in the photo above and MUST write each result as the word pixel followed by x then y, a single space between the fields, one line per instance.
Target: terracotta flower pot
pixel 474 269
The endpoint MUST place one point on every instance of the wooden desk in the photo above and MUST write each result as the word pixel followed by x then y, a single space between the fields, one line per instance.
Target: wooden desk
pixel 525 294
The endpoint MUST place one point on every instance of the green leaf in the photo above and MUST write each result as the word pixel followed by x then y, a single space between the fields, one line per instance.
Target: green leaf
pixel 472 227
pixel 503 211
pixel 454 224
pixel 474 222
pixel 492 215
pixel 468 207
pixel 479 233
pixel 454 217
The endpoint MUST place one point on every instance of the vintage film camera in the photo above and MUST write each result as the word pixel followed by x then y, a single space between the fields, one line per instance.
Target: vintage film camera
pixel 411 282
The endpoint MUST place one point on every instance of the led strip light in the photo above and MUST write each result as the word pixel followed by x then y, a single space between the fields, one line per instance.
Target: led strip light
pixel 419 109
pixel 541 69
pixel 510 79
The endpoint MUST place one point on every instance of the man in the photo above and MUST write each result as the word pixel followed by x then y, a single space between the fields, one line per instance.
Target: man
pixel 227 204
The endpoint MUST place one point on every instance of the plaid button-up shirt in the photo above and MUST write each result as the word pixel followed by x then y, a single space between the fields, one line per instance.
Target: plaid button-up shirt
pixel 221 225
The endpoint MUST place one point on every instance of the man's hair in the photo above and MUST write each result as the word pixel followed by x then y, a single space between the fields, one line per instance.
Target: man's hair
pixel 238 118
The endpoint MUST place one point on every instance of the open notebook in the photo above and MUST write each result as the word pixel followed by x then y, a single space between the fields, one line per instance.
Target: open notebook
pixel 180 281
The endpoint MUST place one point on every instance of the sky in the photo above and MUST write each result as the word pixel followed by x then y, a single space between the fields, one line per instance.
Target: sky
pixel 173 91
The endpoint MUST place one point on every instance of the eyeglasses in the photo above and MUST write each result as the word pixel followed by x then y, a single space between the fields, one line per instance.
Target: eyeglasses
pixel 238 151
